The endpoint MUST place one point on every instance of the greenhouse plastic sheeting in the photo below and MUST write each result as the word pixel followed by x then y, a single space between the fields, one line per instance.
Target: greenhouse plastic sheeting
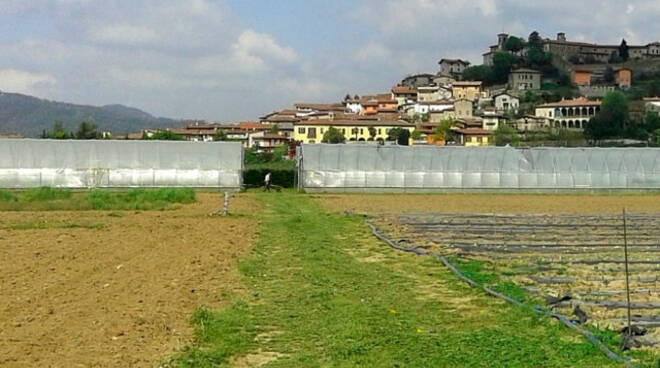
pixel 26 163
pixel 382 168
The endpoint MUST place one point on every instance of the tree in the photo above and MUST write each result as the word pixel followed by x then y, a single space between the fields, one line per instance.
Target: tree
pixel 653 89
pixel 165 135
pixel 514 44
pixel 608 75
pixel 506 135
pixel 219 135
pixel 502 64
pixel 534 41
pixel 623 50
pixel 275 129
pixel 58 131
pixel 611 120
pixel 334 136
pixel 478 73
pixel 652 121
pixel 416 135
pixel 87 130
pixel 347 97
pixel 372 133
pixel 443 130
pixel 400 135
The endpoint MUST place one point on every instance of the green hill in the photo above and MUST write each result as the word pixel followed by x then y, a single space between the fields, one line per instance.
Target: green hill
pixel 29 116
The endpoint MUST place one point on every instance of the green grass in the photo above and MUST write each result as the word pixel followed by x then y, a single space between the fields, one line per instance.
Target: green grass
pixel 7 196
pixel 45 194
pixel 313 298
pixel 49 199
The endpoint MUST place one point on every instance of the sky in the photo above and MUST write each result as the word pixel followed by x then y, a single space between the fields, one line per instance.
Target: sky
pixel 231 60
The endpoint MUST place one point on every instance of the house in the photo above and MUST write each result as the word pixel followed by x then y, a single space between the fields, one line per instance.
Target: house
pixel 463 108
pixel 506 102
pixel 474 137
pixel 571 114
pixel 581 77
pixel 454 67
pixel 531 122
pixel 442 79
pixel 417 80
pixel 427 107
pixel 652 104
pixel 488 56
pixel 523 79
pixel 623 77
pixel 404 94
pixel 361 130
pixel 470 90
pixel 491 120
pixel 304 109
pixel 266 141
pixel 433 93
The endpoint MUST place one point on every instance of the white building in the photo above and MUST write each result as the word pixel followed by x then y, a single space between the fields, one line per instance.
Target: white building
pixel 505 102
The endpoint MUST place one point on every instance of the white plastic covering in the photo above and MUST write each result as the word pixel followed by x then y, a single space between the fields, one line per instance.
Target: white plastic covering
pixel 379 168
pixel 26 163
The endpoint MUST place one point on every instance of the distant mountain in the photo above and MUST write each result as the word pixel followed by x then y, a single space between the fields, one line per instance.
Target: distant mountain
pixel 29 116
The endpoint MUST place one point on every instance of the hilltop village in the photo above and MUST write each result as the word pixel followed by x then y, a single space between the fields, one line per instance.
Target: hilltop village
pixel 528 91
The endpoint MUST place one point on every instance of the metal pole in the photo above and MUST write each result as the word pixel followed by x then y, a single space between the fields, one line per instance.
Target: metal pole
pixel 625 250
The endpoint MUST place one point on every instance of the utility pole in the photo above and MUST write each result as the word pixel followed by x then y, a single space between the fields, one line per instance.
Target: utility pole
pixel 625 250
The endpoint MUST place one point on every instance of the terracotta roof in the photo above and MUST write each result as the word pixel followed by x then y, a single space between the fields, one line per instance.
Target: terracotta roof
pixel 271 136
pixel 319 106
pixel 580 101
pixel 357 122
pixel 403 90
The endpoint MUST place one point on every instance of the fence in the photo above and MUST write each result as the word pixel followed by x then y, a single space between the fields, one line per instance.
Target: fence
pixel 26 163
pixel 428 168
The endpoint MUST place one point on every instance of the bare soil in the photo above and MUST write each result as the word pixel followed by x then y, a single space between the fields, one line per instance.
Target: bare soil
pixel 119 294
pixel 491 203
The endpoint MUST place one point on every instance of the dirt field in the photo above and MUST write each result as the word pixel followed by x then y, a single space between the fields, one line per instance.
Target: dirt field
pixel 490 203
pixel 115 288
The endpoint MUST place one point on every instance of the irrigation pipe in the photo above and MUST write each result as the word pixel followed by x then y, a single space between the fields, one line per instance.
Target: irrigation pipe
pixel 561 318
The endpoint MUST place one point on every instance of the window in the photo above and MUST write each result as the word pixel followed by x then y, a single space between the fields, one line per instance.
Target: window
pixel 301 130
pixel 311 133
pixel 322 130
pixel 361 131
pixel 380 131
pixel 343 131
pixel 479 139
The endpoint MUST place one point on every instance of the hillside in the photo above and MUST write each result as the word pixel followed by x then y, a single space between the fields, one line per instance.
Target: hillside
pixel 29 116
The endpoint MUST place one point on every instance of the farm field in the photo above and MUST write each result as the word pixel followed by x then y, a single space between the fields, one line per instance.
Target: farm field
pixel 286 280
pixel 539 246
pixel 114 288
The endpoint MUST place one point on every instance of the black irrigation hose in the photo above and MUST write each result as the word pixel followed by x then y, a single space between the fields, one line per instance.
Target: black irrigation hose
pixel 593 339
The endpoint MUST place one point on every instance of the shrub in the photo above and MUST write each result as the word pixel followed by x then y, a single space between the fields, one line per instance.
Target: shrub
pixel 281 177
pixel 46 194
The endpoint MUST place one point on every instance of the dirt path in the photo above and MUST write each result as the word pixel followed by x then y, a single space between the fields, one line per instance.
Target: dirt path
pixel 119 295
pixel 491 203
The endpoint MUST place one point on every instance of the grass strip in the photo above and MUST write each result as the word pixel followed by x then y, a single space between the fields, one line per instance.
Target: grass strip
pixel 317 298
pixel 50 199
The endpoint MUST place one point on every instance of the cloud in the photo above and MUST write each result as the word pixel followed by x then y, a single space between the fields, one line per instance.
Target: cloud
pixel 12 80
pixel 124 34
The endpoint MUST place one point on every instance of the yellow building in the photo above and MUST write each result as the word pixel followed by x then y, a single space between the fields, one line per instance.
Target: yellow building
pixel 474 137
pixel 311 131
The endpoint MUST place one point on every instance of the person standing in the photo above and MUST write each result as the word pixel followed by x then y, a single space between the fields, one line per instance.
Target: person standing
pixel 267 182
